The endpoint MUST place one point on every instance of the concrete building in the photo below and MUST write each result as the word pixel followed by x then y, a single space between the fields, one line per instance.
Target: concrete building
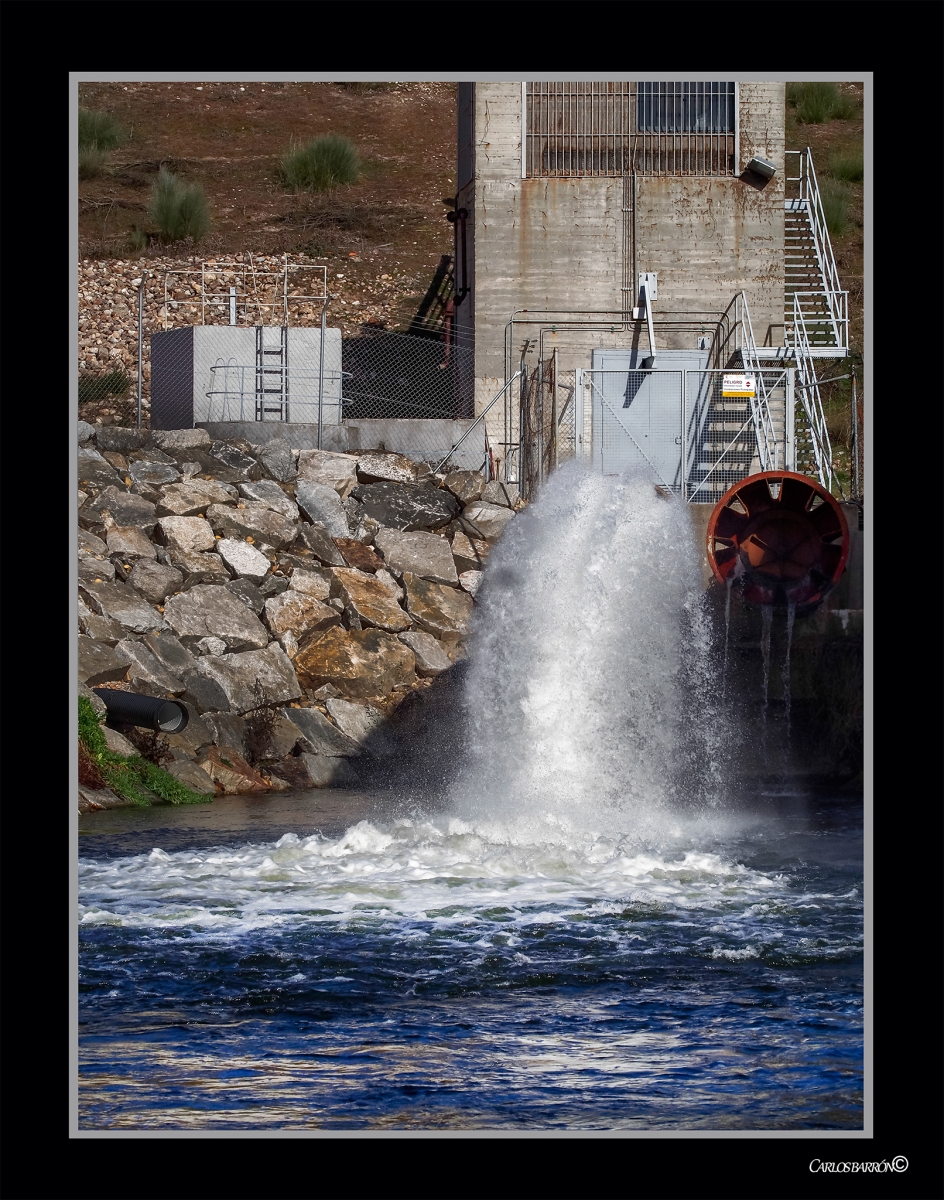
pixel 571 195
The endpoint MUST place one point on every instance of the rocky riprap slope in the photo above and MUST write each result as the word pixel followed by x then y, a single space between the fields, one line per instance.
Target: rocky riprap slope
pixel 239 579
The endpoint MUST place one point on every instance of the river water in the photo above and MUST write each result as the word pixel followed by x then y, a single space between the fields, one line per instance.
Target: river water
pixel 586 926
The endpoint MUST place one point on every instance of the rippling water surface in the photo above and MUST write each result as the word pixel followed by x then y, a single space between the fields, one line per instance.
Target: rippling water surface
pixel 419 973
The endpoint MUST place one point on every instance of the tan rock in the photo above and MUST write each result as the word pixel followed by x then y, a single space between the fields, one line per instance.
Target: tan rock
pixel 299 614
pixel 338 471
pixel 437 609
pixel 469 554
pixel 360 663
pixel 231 771
pixel 368 597
pixel 191 499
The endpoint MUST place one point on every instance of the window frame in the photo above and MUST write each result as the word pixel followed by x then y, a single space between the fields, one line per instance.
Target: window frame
pixel 622 143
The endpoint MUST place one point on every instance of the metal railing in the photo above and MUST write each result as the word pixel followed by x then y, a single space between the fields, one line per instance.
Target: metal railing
pixel 829 299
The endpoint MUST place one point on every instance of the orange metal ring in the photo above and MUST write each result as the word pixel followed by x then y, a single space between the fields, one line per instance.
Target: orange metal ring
pixel 780 537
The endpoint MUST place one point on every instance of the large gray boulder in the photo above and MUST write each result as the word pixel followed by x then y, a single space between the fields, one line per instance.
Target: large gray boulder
pixel 319 736
pixel 191 776
pixel 200 569
pixel 355 720
pixel 194 498
pixel 172 441
pixel 431 658
pixel 146 674
pixel 95 568
pixel 425 554
pixel 130 542
pixel 268 492
pixel 361 663
pixel 120 438
pixel 277 459
pixel 367 597
pixel 243 560
pixel 336 471
pixel 379 467
pixel 241 677
pixel 155 580
pixel 316 584
pixel 401 506
pixel 252 519
pixel 151 476
pixel 441 611
pixel 240 464
pixel 317 539
pixel 122 604
pixel 100 663
pixel 187 534
pixel 469 554
pixel 300 615
pixel 95 471
pixel 85 432
pixel 252 596
pixel 466 486
pixel 102 629
pixel 485 521
pixel 505 495
pixel 319 769
pixel 124 508
pixel 169 652
pixel 213 611
pixel 322 505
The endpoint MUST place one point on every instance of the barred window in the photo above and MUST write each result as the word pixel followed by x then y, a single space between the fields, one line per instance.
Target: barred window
pixel 575 129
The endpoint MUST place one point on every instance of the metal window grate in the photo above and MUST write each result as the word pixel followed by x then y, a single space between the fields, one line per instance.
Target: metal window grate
pixel 594 129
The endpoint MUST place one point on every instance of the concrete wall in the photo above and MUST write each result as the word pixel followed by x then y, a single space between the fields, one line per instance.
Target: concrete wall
pixel 564 243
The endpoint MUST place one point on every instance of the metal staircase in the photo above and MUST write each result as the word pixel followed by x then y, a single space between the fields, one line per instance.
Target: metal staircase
pixel 812 292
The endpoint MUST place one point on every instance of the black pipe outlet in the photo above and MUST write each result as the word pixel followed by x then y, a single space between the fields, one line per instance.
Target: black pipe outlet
pixel 147 712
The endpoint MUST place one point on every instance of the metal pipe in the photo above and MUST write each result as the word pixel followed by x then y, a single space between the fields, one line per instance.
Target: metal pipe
pixel 146 712
pixel 480 417
pixel 140 343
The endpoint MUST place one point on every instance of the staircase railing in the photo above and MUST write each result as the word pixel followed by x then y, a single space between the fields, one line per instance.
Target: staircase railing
pixel 807 386
pixel 808 197
pixel 768 444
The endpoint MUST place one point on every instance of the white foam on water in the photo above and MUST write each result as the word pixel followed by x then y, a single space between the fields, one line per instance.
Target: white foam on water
pixel 444 872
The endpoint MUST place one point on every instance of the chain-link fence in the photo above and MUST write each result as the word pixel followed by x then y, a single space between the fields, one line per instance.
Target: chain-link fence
pixel 251 353
pixel 696 432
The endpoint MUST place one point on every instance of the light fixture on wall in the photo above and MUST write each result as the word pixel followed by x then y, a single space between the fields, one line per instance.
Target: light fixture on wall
pixel 762 166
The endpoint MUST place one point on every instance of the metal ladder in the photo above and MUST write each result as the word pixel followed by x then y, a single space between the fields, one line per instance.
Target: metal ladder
pixel 272 369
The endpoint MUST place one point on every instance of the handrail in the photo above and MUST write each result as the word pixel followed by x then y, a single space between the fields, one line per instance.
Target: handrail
pixel 480 417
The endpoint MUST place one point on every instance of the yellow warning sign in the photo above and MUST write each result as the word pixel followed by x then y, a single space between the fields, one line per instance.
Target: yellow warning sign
pixel 738 387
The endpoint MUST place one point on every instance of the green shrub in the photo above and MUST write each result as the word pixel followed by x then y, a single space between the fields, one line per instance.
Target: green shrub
pixel 818 102
pixel 115 383
pixel 322 164
pixel 847 166
pixel 99 130
pixel 178 209
pixel 129 776
pixel 91 162
pixel 835 195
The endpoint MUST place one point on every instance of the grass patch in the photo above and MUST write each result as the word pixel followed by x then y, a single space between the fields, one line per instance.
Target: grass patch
pixel 91 162
pixel 835 195
pixel 318 166
pixel 178 209
pixel 816 103
pixel 115 384
pixel 849 167
pixel 132 777
pixel 99 129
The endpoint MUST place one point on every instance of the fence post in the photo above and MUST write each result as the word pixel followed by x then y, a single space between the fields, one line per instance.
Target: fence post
pixel 141 343
pixel 321 356
pixel 539 414
pixel 578 414
pixel 789 420
pixel 554 416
